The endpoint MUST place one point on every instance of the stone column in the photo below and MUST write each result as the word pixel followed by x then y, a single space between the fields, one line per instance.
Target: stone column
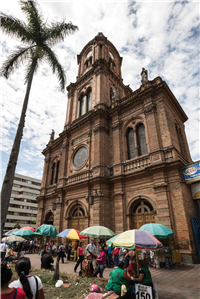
pixel 119 212
pixel 78 110
pixel 152 131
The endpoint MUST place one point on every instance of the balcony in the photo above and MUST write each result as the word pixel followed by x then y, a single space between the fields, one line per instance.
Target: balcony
pixel 81 176
pixel 137 164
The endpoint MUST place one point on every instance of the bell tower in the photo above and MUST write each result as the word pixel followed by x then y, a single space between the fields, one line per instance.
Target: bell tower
pixel 99 81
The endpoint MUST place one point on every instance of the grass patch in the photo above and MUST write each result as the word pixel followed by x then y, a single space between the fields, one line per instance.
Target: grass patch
pixel 78 286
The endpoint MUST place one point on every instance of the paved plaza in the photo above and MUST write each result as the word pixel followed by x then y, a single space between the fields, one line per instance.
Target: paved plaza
pixel 183 282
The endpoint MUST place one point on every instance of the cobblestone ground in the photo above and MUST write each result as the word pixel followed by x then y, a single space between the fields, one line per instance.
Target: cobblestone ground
pixel 183 282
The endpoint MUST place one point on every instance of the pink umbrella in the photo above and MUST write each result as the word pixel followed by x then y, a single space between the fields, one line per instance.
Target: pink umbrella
pixel 28 227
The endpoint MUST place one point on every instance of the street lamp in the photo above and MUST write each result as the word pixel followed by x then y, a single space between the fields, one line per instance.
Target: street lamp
pixel 91 200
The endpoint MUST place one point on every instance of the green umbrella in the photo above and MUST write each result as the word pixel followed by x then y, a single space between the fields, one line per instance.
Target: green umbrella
pixel 98 232
pixel 47 230
pixel 158 230
pixel 24 233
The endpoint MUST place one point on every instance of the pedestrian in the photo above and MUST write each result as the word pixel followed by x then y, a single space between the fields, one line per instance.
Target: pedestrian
pixel 3 250
pixel 80 255
pixel 54 249
pixel 8 292
pixel 49 247
pixel 100 245
pixel 146 255
pixel 69 250
pixel 31 285
pixel 101 261
pixel 31 246
pixel 61 252
pixel 109 255
pixel 131 255
pixel 75 250
pixel 126 260
pixel 91 248
pixel 116 256
pixel 22 252
pixel 47 261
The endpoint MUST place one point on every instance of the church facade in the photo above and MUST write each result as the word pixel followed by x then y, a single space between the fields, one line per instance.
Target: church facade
pixel 118 161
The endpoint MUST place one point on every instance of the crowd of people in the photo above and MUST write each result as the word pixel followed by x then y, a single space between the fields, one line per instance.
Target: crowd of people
pixel 91 260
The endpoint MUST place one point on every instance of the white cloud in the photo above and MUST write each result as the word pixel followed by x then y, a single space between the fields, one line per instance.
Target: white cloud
pixel 156 35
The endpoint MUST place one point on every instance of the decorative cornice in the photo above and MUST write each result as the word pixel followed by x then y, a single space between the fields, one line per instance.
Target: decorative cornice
pixel 117 126
pixel 149 109
pixel 161 185
pixel 101 127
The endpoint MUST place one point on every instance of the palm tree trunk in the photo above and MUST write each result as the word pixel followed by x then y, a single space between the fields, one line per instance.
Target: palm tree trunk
pixel 10 171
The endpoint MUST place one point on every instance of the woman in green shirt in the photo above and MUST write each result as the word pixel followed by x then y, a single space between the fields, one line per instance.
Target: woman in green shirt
pixel 144 274
pixel 119 277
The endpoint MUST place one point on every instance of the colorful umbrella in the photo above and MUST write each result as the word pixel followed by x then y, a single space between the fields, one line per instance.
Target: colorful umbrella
pixel 10 232
pixel 98 232
pixel 71 233
pixel 139 239
pixel 47 230
pixel 12 239
pixel 158 230
pixel 28 227
pixel 24 233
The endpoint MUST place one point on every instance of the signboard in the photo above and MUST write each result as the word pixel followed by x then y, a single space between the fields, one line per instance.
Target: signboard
pixel 192 171
pixel 143 292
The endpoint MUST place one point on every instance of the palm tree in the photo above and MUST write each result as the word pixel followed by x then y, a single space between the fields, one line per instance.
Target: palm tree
pixel 38 38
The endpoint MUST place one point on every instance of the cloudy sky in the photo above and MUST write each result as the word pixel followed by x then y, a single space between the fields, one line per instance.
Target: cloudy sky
pixel 161 36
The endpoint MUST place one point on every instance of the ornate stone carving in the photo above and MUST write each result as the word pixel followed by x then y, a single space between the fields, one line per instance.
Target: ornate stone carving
pixel 149 109
pixel 101 127
pixel 79 139
pixel 115 94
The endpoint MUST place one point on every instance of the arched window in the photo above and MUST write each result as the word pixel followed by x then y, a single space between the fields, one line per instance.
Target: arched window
pixel 141 140
pixel 49 219
pixel 84 103
pixel 57 171
pixel 130 144
pixel 141 212
pixel 53 173
pixel 89 95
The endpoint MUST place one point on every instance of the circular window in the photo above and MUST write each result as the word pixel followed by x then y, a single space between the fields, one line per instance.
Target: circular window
pixel 80 157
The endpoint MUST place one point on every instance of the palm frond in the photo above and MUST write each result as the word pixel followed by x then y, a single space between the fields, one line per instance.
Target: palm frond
pixel 55 65
pixel 14 27
pixel 13 61
pixel 58 31
pixel 34 18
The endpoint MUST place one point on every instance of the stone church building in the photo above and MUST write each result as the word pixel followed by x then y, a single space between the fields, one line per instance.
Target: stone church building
pixel 118 161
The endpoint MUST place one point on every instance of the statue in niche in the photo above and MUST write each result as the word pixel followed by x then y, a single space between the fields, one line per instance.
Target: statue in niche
pixel 144 75
pixel 52 135
pixel 115 94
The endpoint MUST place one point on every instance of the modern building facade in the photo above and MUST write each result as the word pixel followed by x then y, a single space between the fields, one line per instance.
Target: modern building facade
pixel 118 161
pixel 23 204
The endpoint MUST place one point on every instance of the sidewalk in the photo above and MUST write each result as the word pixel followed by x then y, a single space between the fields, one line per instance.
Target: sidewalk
pixel 183 282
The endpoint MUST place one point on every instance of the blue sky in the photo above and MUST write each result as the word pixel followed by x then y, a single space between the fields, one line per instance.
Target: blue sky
pixel 161 36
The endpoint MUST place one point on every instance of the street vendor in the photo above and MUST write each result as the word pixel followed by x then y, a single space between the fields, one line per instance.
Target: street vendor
pixel 144 274
pixel 120 279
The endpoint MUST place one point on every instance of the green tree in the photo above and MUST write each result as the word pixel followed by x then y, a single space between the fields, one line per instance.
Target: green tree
pixel 38 38
pixel 17 225
pixel 34 221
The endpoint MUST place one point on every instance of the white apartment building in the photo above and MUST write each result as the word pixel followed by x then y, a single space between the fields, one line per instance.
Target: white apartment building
pixel 23 205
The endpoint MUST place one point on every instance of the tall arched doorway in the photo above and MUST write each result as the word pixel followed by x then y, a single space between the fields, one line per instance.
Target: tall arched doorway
pixel 77 218
pixel 49 219
pixel 142 212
